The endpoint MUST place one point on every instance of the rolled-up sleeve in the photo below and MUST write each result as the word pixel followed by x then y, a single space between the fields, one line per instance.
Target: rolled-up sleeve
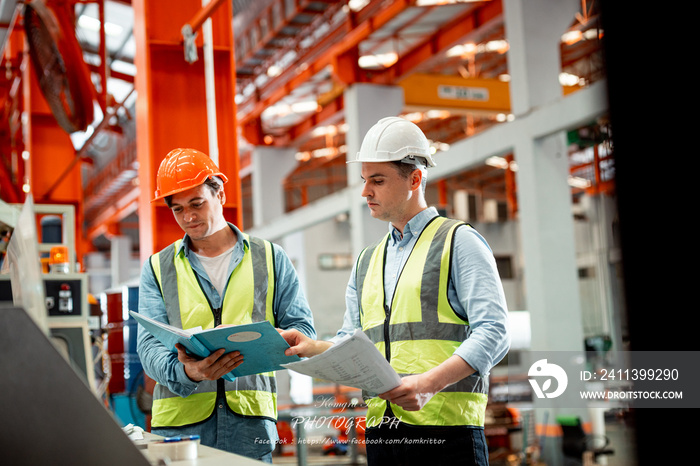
pixel 477 293
pixel 158 362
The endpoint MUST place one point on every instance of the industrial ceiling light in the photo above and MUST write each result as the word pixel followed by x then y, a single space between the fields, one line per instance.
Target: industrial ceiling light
pixel 122 66
pixel 437 114
pixel 274 71
pixel 319 131
pixel 329 130
pixel 578 182
pixel 442 2
pixel 497 162
pixel 499 46
pixel 93 24
pixel 282 109
pixel 303 156
pixel 357 5
pixel 436 146
pixel 415 117
pixel 381 60
pixel 461 50
pixel 502 163
pixel 470 49
pixel 304 106
pixel 571 37
pixel 592 34
pixel 568 79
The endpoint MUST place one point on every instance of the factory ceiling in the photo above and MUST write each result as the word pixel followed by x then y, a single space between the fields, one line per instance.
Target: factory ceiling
pixel 294 59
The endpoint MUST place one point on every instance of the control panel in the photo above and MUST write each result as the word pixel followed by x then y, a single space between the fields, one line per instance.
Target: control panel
pixel 63 297
pixel 65 294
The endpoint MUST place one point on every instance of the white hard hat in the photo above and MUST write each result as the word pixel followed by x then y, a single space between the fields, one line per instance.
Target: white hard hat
pixel 393 139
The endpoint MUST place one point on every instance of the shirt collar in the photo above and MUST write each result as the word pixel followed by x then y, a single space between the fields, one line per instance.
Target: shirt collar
pixel 185 246
pixel 414 226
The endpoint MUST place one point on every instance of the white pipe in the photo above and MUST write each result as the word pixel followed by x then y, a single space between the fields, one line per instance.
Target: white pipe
pixel 210 90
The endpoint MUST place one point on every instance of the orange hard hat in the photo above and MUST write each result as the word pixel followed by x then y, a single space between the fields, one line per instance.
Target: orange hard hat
pixel 183 169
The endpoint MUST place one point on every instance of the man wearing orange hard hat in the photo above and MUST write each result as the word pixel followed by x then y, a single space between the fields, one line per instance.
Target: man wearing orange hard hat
pixel 215 275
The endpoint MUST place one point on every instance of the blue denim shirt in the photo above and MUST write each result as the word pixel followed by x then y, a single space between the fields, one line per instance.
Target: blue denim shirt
pixel 290 308
pixel 474 291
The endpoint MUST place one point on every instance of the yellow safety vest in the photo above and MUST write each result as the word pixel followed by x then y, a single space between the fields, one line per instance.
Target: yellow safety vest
pixel 248 298
pixel 421 329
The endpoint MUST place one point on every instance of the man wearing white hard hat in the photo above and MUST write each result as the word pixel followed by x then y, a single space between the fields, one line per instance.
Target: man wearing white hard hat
pixel 429 296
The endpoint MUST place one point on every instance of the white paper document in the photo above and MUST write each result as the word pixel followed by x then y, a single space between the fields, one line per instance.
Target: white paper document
pixel 353 361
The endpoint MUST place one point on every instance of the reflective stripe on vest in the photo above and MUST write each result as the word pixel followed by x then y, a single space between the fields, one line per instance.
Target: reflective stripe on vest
pixel 423 329
pixel 248 298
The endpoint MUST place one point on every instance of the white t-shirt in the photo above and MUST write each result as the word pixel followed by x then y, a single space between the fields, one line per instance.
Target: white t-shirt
pixel 216 267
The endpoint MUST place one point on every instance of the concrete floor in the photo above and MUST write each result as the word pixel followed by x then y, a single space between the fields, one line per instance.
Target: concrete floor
pixel 622 440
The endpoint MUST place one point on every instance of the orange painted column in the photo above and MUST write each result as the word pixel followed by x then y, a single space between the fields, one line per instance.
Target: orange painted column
pixel 171 108
pixel 51 170
pixel 511 190
pixel 12 166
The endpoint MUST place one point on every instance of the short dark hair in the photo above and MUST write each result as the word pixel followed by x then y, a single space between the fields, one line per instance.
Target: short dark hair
pixel 214 184
pixel 405 170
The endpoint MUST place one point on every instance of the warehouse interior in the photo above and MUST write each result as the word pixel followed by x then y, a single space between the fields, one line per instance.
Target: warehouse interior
pixel 516 97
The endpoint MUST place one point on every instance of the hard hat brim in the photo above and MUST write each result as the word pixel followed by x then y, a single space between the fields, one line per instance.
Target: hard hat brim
pixel 429 162
pixel 159 196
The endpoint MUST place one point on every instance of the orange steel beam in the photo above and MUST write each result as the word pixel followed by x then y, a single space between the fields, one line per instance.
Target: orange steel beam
pixel 8 189
pixel 268 25
pixel 111 194
pixel 171 108
pixel 343 56
pixel 203 14
pixel 11 142
pixel 367 24
pixel 267 32
pixel 442 193
pixel 511 190
pixel 50 150
pixel 107 178
pixel 327 112
pixel 446 36
pixel 80 153
pixel 104 66
pixel 113 74
pixel 324 53
pixel 106 220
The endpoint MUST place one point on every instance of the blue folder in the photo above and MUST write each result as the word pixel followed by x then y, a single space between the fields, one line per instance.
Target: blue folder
pixel 260 344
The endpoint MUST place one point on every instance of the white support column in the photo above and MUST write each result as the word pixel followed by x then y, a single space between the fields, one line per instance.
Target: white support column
pixel 550 273
pixel 547 230
pixel 533 29
pixel 270 166
pixel 365 104
pixel 120 252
